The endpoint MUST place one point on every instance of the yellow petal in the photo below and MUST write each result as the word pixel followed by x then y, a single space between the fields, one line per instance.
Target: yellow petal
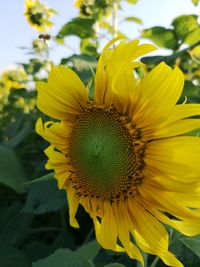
pixel 177 157
pixel 123 85
pixel 101 79
pixel 156 178
pixel 112 63
pixel 177 128
pixel 97 226
pixel 167 202
pixel 29 3
pixel 78 3
pixel 101 82
pixel 189 228
pixel 108 231
pixel 62 177
pixel 188 200
pixel 152 230
pixel 63 96
pixel 59 163
pixel 156 96
pixel 73 202
pixel 123 231
pixel 183 111
pixel 54 132
pixel 151 235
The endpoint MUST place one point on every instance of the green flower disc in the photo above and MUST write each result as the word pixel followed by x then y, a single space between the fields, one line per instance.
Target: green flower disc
pixel 102 153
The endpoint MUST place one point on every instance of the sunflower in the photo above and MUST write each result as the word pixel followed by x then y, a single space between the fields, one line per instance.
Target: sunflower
pixel 78 3
pixel 122 154
pixel 38 15
pixel 15 78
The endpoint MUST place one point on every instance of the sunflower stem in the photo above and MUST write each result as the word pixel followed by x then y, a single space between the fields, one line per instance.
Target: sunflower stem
pixel 145 257
pixel 96 29
pixel 114 18
pixel 89 236
pixel 155 261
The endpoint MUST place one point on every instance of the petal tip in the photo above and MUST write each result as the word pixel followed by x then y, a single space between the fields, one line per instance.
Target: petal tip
pixel 39 126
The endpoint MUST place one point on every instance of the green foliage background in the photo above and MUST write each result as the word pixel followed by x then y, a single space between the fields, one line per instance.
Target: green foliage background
pixel 34 220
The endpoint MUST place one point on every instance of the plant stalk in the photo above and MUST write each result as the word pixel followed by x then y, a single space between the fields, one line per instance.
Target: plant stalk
pixel 114 18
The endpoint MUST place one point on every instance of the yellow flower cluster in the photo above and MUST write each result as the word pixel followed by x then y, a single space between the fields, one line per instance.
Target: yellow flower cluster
pixel 14 78
pixel 38 15
pixel 93 8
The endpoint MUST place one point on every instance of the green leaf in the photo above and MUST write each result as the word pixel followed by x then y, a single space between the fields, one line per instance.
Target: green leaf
pixel 88 46
pixel 66 258
pixel 192 36
pixel 47 177
pixel 33 67
pixel 185 255
pixel 194 99
pixel 10 257
pixel 190 89
pixel 44 197
pixel 82 65
pixel 192 243
pixel 79 26
pixel 14 226
pixel 195 2
pixel 90 250
pixel 134 19
pixel 114 265
pixel 19 136
pixel 11 172
pixel 80 62
pixel 154 60
pixel 184 24
pixel 161 36
pixel 194 133
pixel 16 229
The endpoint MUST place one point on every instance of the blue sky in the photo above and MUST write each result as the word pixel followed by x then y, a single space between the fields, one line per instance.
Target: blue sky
pixel 15 32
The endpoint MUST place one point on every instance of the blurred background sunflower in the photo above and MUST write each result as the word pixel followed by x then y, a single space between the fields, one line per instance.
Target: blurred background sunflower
pixel 38 15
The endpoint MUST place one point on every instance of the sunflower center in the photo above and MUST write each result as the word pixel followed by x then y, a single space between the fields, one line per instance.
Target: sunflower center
pixel 102 154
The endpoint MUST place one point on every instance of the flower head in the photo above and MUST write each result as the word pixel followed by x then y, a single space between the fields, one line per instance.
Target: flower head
pixel 92 8
pixel 123 155
pixel 78 3
pixel 14 78
pixel 38 15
